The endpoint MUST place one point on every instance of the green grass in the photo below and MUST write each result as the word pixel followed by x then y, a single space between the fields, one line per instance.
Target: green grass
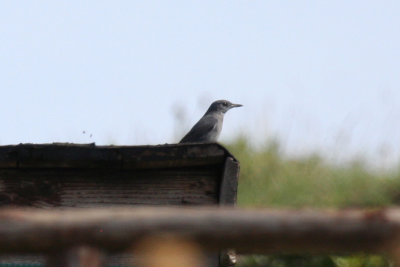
pixel 270 179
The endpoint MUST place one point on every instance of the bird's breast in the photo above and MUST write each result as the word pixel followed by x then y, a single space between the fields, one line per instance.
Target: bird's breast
pixel 216 130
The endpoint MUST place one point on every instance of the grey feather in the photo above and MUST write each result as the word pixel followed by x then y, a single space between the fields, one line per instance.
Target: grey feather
pixel 208 128
pixel 205 130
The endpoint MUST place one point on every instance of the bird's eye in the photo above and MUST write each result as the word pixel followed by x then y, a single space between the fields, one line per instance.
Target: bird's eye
pixel 225 103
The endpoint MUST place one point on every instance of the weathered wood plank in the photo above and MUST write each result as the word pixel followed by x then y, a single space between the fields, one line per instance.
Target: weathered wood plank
pixel 110 157
pixel 250 231
pixel 68 156
pixel 229 182
pixel 93 188
pixel 167 156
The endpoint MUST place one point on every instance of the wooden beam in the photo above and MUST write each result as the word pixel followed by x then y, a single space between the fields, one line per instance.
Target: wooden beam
pixel 229 182
pixel 110 157
pixel 248 231
pixel 44 188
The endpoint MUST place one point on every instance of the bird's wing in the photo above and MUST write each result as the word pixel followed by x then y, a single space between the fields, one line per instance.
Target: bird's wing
pixel 200 131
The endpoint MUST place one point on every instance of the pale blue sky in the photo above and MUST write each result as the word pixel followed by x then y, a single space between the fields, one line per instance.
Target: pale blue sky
pixel 319 75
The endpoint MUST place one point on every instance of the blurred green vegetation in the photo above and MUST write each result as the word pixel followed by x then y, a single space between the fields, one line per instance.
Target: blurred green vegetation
pixel 270 179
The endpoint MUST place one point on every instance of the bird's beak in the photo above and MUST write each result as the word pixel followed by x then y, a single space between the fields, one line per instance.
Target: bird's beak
pixel 235 105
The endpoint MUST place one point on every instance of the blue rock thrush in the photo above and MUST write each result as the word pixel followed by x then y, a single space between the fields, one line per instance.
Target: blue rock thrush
pixel 208 128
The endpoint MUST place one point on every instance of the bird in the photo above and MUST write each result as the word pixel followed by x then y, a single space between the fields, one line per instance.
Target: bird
pixel 208 128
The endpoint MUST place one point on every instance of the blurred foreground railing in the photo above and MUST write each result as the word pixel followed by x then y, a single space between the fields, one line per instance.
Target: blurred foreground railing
pixel 55 232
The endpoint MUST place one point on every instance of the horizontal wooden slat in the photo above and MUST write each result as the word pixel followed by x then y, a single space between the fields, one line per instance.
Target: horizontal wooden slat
pixel 94 188
pixel 115 157
pixel 251 231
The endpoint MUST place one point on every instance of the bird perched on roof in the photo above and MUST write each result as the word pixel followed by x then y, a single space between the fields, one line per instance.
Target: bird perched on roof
pixel 208 128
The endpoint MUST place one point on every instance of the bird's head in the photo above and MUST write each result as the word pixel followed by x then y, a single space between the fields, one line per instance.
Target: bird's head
pixel 222 106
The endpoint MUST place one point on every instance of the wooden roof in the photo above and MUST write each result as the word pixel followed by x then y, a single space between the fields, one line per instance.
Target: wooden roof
pixel 76 175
